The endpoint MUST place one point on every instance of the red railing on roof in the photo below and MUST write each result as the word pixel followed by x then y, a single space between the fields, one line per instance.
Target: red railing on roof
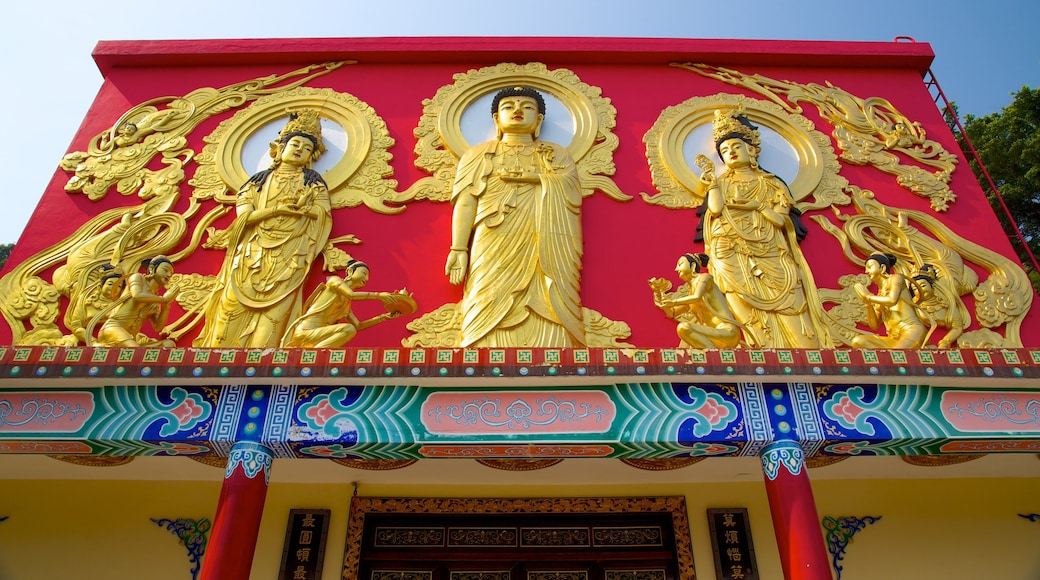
pixel 1018 241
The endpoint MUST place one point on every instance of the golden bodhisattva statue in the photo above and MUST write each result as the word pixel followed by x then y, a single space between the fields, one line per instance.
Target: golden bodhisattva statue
pixel 892 306
pixel 283 221
pixel 328 321
pixel 140 301
pixel 751 231
pixel 516 234
pixel 704 318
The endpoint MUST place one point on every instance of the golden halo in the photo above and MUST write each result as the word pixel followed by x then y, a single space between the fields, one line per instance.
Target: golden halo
pixel 534 75
pixel 365 159
pixel 676 180
pixel 441 141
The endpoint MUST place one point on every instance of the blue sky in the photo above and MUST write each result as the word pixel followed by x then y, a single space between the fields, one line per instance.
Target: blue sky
pixel 984 50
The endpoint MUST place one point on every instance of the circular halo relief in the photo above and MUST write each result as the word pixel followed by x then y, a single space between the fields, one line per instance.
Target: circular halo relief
pixel 347 144
pixel 792 148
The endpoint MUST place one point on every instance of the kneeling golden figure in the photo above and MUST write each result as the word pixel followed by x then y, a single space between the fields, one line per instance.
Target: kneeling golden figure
pixel 892 306
pixel 141 301
pixel 704 318
pixel 328 320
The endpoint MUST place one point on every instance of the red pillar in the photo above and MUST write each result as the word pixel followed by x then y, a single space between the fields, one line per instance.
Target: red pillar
pixel 799 535
pixel 229 553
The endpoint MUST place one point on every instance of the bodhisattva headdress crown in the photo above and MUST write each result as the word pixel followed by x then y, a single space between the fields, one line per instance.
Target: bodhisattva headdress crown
pixel 734 124
pixel 307 123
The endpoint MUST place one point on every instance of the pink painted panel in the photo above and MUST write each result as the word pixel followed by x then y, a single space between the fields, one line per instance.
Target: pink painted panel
pixel 517 412
pixel 45 447
pixel 992 411
pixel 44 411
pixel 514 451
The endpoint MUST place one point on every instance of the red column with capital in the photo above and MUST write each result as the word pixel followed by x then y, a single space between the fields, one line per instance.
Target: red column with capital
pixel 796 523
pixel 229 553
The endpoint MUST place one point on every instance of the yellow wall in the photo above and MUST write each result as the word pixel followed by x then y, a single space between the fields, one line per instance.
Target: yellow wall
pixel 950 529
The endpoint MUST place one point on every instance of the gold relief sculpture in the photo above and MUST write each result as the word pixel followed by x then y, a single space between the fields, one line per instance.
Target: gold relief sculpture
pixel 868 131
pixel 123 236
pixel 601 331
pixel 283 220
pixel 103 287
pixel 939 306
pixel 817 183
pixel 893 306
pixel 359 177
pixel 441 141
pixel 516 234
pixel 751 234
pixel 437 328
pixel 140 301
pixel 704 318
pixel 328 321
pixel 516 241
pixel 120 155
pixel 441 327
pixel 38 302
pixel 921 242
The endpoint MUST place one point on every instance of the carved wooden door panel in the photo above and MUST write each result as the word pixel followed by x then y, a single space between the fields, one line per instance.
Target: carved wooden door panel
pixel 518 547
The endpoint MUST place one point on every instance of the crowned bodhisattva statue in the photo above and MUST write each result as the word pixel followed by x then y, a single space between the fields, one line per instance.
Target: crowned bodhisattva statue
pixel 283 222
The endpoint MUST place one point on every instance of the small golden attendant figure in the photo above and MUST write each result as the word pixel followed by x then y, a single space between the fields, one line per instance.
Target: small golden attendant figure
pixel 938 306
pixel 329 321
pixel 141 301
pixel 751 231
pixel 107 286
pixel 892 306
pixel 705 320
pixel 516 234
pixel 283 221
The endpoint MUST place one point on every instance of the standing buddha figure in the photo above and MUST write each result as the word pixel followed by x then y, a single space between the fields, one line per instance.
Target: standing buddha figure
pixel 516 238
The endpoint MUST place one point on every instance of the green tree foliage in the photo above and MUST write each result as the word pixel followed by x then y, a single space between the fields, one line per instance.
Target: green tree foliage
pixel 5 252
pixel 1008 143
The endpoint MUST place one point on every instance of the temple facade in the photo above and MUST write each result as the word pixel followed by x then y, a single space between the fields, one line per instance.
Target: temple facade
pixel 503 308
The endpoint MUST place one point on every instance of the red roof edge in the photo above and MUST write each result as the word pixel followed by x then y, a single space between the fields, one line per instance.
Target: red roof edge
pixel 901 53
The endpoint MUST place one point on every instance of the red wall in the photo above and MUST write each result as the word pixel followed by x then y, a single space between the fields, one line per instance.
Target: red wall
pixel 625 243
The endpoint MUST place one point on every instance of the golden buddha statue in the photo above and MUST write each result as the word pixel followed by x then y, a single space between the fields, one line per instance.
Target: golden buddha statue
pixel 751 231
pixel 516 234
pixel 140 301
pixel 704 318
pixel 892 306
pixel 328 320
pixel 283 219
